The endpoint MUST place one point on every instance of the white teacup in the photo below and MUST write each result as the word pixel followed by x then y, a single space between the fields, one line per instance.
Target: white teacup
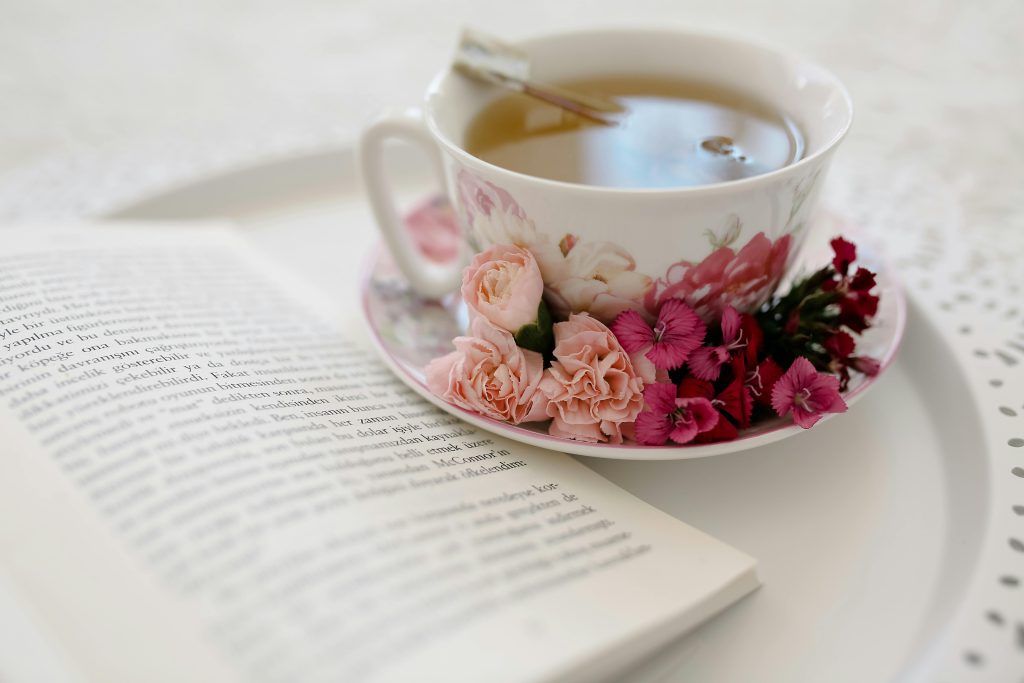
pixel 604 249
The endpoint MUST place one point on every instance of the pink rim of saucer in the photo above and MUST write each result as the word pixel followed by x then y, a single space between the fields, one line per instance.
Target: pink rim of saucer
pixel 766 436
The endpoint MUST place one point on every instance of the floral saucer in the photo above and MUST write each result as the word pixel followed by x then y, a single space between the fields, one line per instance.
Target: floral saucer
pixel 409 332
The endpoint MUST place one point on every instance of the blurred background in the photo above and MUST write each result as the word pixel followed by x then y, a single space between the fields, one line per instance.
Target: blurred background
pixel 105 100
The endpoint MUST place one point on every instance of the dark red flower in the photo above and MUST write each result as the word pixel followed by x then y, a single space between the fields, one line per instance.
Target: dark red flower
pixel 691 387
pixel 734 404
pixel 855 310
pixel 845 254
pixel 761 380
pixel 754 336
pixel 865 365
pixel 724 430
pixel 863 280
pixel 840 345
pixel 792 322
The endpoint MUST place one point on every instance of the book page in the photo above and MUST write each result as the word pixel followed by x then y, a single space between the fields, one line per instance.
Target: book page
pixel 191 443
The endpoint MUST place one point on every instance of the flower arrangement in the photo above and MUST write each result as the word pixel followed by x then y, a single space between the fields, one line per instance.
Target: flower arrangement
pixel 668 367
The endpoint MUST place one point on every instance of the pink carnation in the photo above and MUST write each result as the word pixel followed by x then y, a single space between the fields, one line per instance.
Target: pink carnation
pixel 676 334
pixel 490 375
pixel 668 417
pixel 503 284
pixel 806 393
pixel 592 388
pixel 707 361
pixel 743 279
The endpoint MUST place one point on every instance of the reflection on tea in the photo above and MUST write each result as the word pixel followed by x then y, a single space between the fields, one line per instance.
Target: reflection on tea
pixel 675 133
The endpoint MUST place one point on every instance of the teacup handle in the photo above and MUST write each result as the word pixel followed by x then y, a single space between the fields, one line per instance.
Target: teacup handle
pixel 428 278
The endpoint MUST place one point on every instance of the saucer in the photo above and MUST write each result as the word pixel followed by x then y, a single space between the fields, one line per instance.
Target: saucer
pixel 409 332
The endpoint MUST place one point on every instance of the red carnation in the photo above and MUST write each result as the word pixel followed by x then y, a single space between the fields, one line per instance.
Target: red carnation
pixel 845 254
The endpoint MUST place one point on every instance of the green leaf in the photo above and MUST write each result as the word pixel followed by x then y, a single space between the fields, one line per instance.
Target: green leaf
pixel 539 335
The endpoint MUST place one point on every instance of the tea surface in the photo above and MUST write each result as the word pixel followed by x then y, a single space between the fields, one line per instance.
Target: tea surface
pixel 675 133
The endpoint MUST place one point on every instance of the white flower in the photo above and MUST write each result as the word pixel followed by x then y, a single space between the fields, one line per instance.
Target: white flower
pixel 501 227
pixel 597 277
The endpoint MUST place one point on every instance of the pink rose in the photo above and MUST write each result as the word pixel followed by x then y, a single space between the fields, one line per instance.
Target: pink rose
pixel 490 375
pixel 492 215
pixel 503 284
pixel 592 388
pixel 743 280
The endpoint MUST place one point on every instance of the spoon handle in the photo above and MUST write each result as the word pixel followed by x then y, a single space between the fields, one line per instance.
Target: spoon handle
pixel 486 59
pixel 558 98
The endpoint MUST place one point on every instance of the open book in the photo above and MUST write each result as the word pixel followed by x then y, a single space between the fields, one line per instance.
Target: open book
pixel 203 479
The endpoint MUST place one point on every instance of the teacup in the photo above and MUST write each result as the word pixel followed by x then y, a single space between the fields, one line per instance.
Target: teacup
pixel 602 249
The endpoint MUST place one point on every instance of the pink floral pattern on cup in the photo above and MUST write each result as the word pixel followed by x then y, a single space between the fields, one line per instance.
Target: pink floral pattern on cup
pixel 742 279
pixel 599 278
pixel 435 229
pixel 492 213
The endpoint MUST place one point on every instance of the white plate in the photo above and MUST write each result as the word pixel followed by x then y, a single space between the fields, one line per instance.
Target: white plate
pixel 882 536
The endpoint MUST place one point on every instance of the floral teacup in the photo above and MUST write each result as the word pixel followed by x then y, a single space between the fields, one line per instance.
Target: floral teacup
pixel 606 250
